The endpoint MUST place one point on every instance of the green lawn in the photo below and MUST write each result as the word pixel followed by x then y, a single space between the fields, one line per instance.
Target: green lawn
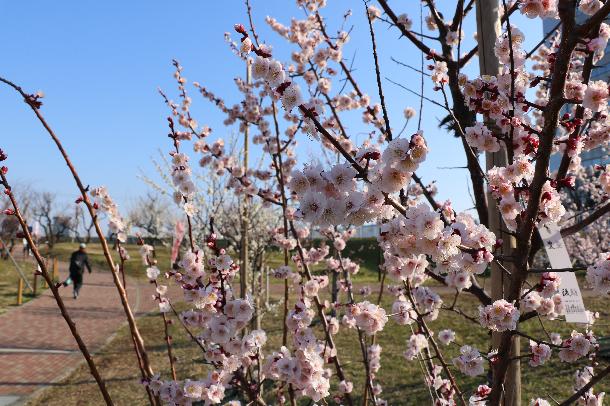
pixel 133 267
pixel 9 280
pixel 401 380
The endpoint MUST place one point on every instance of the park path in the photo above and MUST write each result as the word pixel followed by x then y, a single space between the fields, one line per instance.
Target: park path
pixel 36 347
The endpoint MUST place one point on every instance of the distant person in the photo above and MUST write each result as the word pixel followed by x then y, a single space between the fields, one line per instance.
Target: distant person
pixel 78 261
pixel 26 248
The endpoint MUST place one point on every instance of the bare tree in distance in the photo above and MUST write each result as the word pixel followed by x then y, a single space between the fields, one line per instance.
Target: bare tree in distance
pixel 54 220
pixel 152 216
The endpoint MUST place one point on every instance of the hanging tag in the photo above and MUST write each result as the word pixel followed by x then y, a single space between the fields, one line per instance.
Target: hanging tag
pixel 559 258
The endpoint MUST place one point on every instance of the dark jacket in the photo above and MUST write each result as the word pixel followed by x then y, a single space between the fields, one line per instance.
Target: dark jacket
pixel 78 261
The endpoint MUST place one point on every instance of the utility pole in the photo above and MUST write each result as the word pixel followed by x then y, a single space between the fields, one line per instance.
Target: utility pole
pixel 488 29
pixel 243 268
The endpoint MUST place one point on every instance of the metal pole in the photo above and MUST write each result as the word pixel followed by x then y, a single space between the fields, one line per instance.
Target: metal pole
pixel 266 287
pixel 243 270
pixel 488 29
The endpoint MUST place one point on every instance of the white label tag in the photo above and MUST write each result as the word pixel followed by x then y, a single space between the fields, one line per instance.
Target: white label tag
pixel 559 258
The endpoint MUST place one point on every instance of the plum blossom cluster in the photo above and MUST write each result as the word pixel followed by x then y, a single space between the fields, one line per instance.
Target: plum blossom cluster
pixel 403 312
pixel 367 316
pixel 499 316
pixel 217 320
pixel 104 202
pixel 479 397
pixel 460 249
pixel 540 353
pixel 545 300
pixel 577 346
pixel 604 179
pixel 589 398
pixel 182 180
pixel 211 389
pixel 506 186
pixel 418 244
pixel 346 264
pixel 332 197
pixel 481 138
pixel 551 307
pixel 539 8
pixel 316 60
pixel 428 302
pixel 592 185
pixel 415 345
pixel 598 274
pixel 305 370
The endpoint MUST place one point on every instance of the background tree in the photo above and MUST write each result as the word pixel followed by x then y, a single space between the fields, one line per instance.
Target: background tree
pixel 152 216
pixel 54 219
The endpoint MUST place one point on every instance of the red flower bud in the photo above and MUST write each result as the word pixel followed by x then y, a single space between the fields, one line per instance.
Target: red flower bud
pixel 373 155
pixel 9 212
pixel 546 196
pixel 568 181
pixel 281 88
pixel 240 28
pixel 3 156
pixel 4 170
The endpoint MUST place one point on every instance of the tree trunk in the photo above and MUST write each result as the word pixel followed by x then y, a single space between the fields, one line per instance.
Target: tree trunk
pixel 488 29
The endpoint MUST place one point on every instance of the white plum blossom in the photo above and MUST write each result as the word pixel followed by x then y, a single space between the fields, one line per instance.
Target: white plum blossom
pixel 598 274
pixel 540 353
pixel 415 345
pixel 575 347
pixel 596 96
pixel 153 273
pixel 446 336
pixel 499 316
pixel 470 361
pixel 369 317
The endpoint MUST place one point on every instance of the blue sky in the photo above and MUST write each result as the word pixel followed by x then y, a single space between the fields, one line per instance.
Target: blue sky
pixel 100 64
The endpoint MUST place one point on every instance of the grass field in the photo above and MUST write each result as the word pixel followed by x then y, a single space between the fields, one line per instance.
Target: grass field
pixel 133 267
pixel 401 380
pixel 9 280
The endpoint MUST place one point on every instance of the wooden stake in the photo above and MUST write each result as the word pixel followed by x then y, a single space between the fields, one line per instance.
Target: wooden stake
pixel 55 269
pixel 44 282
pixel 20 292
pixel 35 283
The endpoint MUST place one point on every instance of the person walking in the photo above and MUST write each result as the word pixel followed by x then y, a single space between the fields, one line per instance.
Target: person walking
pixel 78 262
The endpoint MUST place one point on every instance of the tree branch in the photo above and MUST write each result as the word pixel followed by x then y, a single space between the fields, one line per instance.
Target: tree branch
pixel 589 385
pixel 597 214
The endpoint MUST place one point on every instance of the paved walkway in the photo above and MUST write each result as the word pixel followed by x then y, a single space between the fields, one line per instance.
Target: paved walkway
pixel 36 346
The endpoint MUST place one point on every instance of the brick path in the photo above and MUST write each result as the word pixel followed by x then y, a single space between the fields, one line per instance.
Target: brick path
pixel 36 346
